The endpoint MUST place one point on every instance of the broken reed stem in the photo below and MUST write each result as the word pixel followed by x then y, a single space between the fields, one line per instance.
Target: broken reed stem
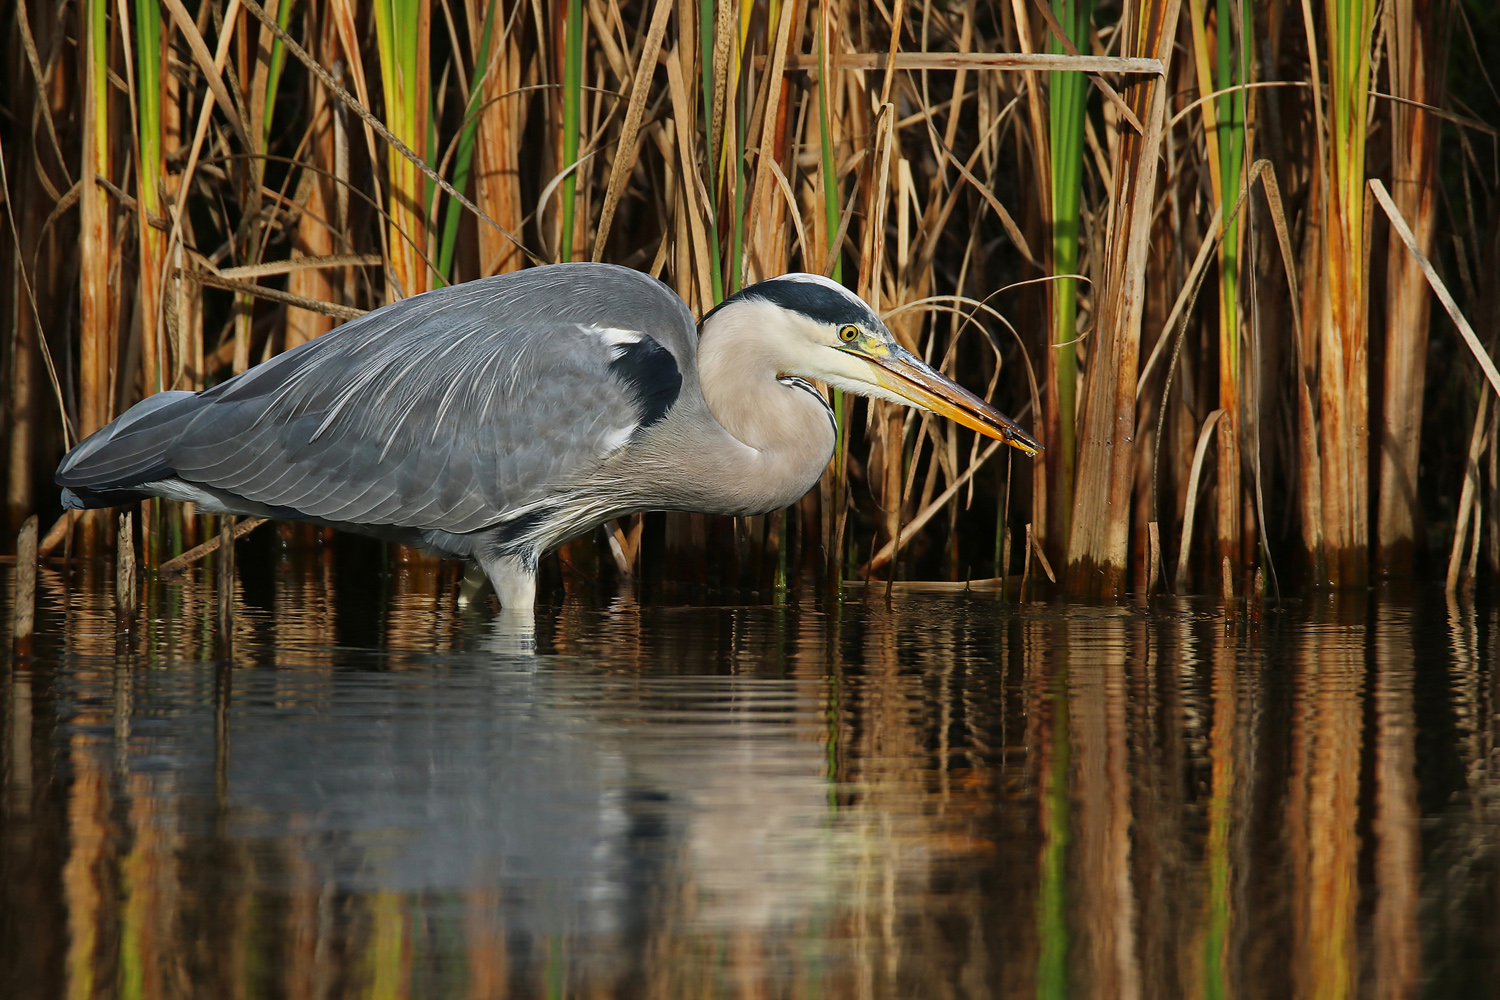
pixel 1467 504
pixel 125 571
pixel 58 533
pixel 179 565
pixel 225 590
pixel 618 548
pixel 1026 568
pixel 1153 542
pixel 23 614
pixel 271 294
pixel 1042 62
pixel 1179 581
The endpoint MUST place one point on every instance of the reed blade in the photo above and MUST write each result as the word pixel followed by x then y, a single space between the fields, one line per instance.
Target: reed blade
pixel 572 85
pixel 1067 93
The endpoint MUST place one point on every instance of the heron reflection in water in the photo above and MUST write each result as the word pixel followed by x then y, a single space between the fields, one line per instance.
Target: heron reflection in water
pixel 492 421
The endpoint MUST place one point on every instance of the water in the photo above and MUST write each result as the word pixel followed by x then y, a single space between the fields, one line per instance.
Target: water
pixel 377 795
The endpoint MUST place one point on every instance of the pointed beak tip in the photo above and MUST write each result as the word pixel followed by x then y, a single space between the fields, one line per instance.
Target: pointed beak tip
pixel 921 386
pixel 1027 446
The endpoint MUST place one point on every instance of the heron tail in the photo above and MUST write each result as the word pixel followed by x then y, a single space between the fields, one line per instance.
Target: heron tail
pixel 129 452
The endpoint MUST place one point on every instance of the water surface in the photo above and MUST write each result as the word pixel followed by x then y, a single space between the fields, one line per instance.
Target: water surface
pixel 376 794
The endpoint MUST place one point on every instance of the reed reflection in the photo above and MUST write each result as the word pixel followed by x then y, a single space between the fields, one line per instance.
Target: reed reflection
pixel 939 795
pixel 1398 852
pixel 1106 899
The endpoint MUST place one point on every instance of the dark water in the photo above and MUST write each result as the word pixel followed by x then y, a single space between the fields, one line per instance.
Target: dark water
pixel 376 795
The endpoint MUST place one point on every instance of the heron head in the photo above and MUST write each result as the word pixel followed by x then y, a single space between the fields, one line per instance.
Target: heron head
pixel 822 330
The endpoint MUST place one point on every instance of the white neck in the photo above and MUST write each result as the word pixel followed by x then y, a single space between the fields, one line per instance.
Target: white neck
pixel 786 433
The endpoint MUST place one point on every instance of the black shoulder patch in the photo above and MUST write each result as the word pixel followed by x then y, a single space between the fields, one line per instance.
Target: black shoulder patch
pixel 650 372
pixel 517 532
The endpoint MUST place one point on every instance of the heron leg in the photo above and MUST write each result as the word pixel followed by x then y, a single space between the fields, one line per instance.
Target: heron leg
pixel 473 584
pixel 514 580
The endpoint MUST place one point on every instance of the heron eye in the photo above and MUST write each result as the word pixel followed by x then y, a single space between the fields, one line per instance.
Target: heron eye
pixel 848 334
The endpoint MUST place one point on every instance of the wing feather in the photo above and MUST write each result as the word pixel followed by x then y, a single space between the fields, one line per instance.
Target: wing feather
pixel 449 411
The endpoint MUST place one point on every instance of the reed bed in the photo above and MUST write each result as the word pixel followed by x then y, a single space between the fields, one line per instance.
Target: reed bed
pixel 1144 230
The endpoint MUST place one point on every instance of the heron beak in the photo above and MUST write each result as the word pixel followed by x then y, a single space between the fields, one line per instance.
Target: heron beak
pixel 907 376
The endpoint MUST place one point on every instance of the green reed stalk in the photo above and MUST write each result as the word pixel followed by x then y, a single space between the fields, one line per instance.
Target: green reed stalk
pixel 464 156
pixel 1344 388
pixel 149 173
pixel 735 137
pixel 1068 93
pixel 830 178
pixel 737 178
pixel 831 215
pixel 735 160
pixel 278 58
pixel 402 28
pixel 706 36
pixel 148 101
pixel 152 242
pixel 572 103
pixel 1233 70
pixel 1224 125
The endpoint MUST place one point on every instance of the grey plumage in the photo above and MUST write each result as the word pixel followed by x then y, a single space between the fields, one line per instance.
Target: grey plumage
pixel 493 420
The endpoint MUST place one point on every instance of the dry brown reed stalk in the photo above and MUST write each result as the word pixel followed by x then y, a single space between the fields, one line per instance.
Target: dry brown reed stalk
pixel 1479 439
pixel 321 224
pixel 1415 54
pixel 21 420
pixel 1099 537
pixel 502 127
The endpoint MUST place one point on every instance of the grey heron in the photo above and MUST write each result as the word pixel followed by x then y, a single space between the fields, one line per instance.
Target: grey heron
pixel 493 420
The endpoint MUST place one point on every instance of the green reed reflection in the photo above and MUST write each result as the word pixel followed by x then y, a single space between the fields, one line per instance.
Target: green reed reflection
pixel 1056 785
pixel 1222 752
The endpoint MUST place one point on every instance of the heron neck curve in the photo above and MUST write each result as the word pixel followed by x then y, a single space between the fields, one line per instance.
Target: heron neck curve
pixel 787 433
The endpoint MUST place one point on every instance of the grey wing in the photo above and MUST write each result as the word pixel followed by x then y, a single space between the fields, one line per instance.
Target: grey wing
pixel 452 410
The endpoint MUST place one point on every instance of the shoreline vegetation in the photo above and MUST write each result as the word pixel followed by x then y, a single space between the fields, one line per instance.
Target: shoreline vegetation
pixel 1234 264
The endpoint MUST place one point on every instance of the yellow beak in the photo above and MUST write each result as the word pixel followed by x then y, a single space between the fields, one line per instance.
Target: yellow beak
pixel 908 377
